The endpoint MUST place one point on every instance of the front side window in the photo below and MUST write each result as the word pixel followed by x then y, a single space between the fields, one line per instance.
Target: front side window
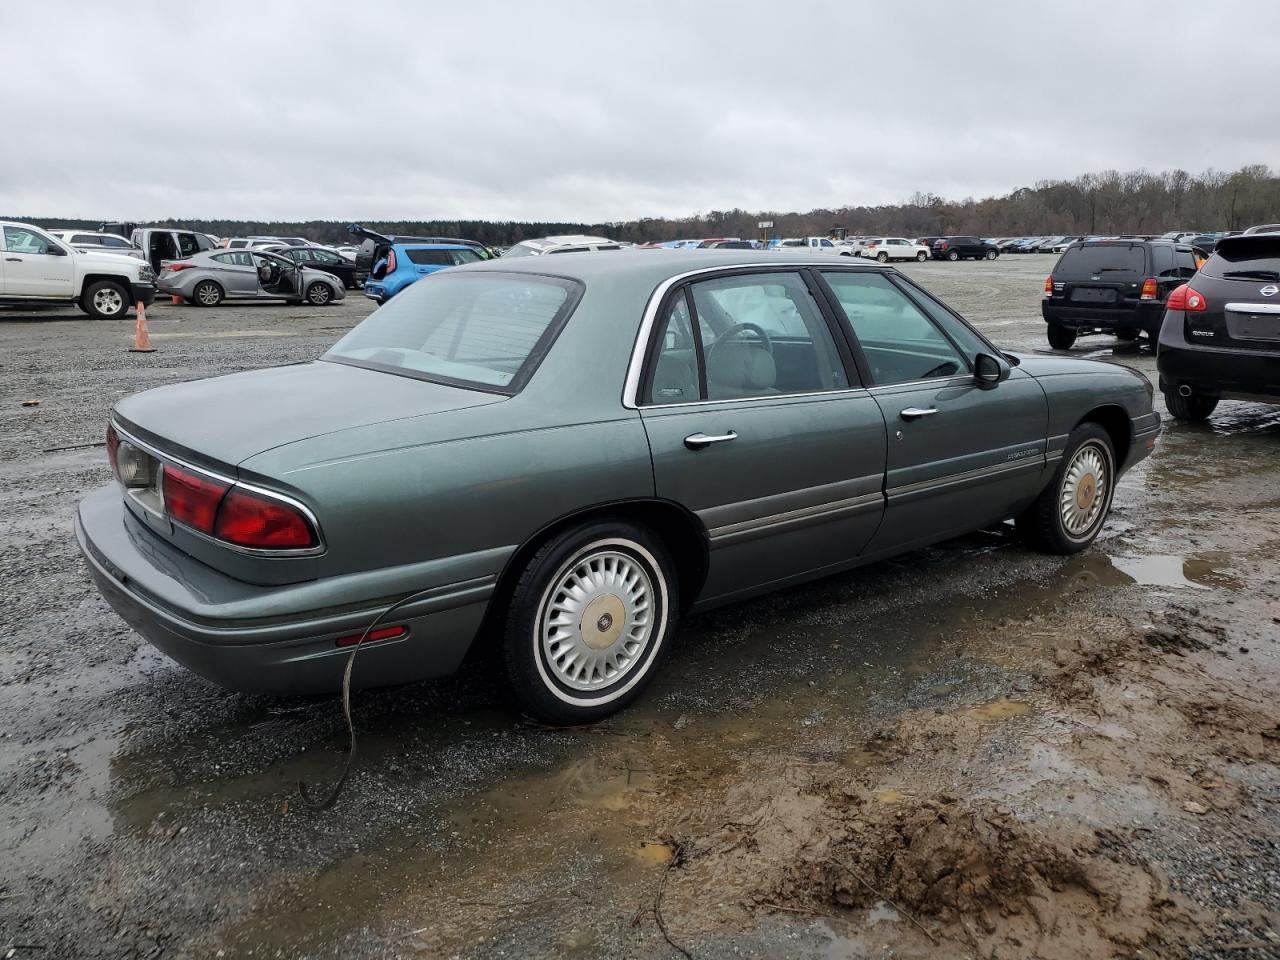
pixel 900 343
pixel 749 335
pixel 22 240
pixel 487 330
pixel 465 256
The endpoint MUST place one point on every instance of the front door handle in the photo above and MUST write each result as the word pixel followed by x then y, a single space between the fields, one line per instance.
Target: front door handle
pixel 14 259
pixel 915 413
pixel 700 441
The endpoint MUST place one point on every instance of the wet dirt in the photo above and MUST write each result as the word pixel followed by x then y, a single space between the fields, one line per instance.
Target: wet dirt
pixel 970 751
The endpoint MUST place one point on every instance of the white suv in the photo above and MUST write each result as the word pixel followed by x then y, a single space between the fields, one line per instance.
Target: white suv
pixel 885 249
pixel 36 267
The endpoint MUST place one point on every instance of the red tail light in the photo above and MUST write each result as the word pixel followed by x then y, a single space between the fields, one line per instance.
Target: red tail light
pixel 382 633
pixel 1048 285
pixel 944 244
pixel 191 498
pixel 1150 289
pixel 1186 298
pixel 175 267
pixel 391 261
pixel 250 520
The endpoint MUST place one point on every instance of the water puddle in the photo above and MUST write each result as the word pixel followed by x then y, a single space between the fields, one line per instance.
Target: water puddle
pixel 1001 709
pixel 1200 571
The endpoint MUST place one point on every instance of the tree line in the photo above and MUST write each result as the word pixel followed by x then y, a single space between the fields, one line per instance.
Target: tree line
pixel 1109 202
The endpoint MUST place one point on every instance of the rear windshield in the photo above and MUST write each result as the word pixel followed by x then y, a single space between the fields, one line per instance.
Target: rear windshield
pixel 1097 259
pixel 486 330
pixel 1245 258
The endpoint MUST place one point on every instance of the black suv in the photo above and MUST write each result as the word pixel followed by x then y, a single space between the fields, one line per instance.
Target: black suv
pixel 1113 286
pixel 964 248
pixel 1221 332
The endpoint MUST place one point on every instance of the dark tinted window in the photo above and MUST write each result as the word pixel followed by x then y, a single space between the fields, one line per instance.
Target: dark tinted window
pixel 111 240
pixel 1185 264
pixel 1162 261
pixel 83 238
pixel 439 258
pixel 1100 259
pixel 187 244
pixel 1244 254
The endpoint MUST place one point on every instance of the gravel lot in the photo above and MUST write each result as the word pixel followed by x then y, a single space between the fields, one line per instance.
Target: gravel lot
pixel 1095 740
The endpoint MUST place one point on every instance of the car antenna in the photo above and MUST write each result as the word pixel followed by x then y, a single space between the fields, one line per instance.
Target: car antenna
pixel 332 798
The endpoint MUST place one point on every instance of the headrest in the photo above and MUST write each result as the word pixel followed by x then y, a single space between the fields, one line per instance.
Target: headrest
pixel 673 381
pixel 741 367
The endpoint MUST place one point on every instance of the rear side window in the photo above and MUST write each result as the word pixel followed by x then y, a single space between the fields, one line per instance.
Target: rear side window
pixel 111 240
pixel 486 330
pixel 1097 259
pixel 187 244
pixel 240 258
pixel 438 258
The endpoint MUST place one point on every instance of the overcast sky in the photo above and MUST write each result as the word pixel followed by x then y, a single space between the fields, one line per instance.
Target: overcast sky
pixel 601 111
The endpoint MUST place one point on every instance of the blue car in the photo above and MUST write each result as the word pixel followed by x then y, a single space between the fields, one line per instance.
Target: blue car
pixel 406 262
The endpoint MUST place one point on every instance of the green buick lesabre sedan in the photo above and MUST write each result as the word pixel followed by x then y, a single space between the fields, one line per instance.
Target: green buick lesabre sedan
pixel 564 455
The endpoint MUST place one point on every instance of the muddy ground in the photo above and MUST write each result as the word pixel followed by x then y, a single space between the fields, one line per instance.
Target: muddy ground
pixel 969 751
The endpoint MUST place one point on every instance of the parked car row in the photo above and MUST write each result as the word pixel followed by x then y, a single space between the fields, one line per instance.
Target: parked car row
pixel 1213 318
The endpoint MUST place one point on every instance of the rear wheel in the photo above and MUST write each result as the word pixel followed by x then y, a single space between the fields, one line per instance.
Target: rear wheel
pixel 589 621
pixel 953 255
pixel 319 294
pixel 1194 408
pixel 882 257
pixel 105 300
pixel 1061 338
pixel 207 293
pixel 921 257
pixel 1070 511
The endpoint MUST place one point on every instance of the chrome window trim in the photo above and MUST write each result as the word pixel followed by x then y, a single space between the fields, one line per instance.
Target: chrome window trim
pixel 842 391
pixel 635 369
pixel 306 511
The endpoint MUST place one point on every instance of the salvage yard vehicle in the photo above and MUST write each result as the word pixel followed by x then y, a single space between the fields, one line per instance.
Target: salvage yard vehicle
pixel 406 263
pixel 374 246
pixel 564 457
pixel 320 258
pixel 87 241
pixel 573 243
pixel 812 244
pixel 1113 286
pixel 159 244
pixel 885 249
pixel 1221 331
pixel 963 248
pixel 207 279
pixel 35 267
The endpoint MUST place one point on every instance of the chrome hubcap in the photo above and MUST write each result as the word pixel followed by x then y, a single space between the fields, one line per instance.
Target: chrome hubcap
pixel 1084 490
pixel 597 618
pixel 108 301
pixel 208 295
pixel 319 294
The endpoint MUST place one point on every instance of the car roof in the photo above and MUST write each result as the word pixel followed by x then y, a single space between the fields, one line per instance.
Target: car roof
pixel 655 266
pixel 434 246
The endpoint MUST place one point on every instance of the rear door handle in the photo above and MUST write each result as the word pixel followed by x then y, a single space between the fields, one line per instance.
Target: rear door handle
pixel 699 441
pixel 915 413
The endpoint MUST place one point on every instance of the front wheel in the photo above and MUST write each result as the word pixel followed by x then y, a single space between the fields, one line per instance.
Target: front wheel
pixel 953 255
pixel 1194 408
pixel 991 254
pixel 921 257
pixel 1061 338
pixel 1070 511
pixel 105 300
pixel 589 622
pixel 319 294
pixel 882 257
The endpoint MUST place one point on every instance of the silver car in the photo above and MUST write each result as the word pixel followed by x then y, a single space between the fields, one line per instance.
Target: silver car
pixel 206 279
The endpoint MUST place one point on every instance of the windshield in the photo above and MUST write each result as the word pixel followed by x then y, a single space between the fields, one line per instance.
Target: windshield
pixel 472 329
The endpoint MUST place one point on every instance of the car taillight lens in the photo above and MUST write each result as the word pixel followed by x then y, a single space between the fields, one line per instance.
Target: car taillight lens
pixel 191 498
pixel 175 267
pixel 1186 298
pixel 391 261
pixel 250 520
pixel 381 633
pixel 1048 285
pixel 1150 290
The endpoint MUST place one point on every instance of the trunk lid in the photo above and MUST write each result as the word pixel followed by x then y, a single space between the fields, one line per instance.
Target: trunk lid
pixel 223 421
pixel 1240 284
pixel 1101 275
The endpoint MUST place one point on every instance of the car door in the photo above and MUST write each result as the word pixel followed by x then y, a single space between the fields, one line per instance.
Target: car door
pixel 960 454
pixel 759 426
pixel 36 265
pixel 236 272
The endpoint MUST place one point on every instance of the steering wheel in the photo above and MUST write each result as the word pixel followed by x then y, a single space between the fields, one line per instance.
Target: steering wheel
pixel 737 328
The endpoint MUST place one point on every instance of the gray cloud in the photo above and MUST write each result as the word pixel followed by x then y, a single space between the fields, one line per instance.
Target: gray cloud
pixel 602 111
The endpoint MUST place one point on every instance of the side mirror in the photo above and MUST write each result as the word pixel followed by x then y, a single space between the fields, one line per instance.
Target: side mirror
pixel 55 251
pixel 988 370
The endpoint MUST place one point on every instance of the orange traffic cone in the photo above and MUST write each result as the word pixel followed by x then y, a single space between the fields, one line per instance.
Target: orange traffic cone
pixel 141 341
pixel 175 300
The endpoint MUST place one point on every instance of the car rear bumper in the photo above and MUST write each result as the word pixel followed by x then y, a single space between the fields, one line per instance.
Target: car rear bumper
pixel 1216 371
pixel 166 597
pixel 1146 315
pixel 143 292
